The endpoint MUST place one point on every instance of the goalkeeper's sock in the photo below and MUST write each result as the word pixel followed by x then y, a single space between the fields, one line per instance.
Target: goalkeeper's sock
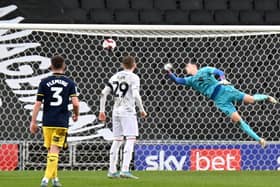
pixel 114 155
pixel 260 97
pixel 246 128
pixel 127 153
pixel 52 163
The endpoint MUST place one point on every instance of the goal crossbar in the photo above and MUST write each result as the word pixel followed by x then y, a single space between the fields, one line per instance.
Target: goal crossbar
pixel 164 31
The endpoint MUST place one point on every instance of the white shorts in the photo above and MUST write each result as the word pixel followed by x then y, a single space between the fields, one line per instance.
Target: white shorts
pixel 125 126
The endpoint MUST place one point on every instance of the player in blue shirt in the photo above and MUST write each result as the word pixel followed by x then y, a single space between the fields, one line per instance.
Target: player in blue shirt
pixel 54 92
pixel 203 80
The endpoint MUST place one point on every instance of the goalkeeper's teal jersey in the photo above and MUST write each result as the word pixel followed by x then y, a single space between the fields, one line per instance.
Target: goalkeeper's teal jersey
pixel 203 81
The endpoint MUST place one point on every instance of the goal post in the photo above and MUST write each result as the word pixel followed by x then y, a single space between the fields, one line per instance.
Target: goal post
pixel 183 127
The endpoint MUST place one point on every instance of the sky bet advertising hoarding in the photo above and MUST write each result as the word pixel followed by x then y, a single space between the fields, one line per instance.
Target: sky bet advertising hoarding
pixel 206 157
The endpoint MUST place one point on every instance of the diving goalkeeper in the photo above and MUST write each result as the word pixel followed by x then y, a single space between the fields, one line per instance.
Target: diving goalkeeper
pixel 220 91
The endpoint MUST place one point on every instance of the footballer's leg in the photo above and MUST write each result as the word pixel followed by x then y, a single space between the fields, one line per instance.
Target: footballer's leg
pixel 47 133
pixel 114 157
pixel 130 127
pixel 225 104
pixel 249 99
pixel 57 140
pixel 52 163
pixel 236 118
pixel 127 157
pixel 230 110
pixel 115 147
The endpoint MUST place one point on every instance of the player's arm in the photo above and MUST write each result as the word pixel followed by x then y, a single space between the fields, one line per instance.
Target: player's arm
pixel 76 107
pixel 33 125
pixel 75 101
pixel 138 99
pixel 221 75
pixel 172 76
pixel 139 104
pixel 36 108
pixel 103 97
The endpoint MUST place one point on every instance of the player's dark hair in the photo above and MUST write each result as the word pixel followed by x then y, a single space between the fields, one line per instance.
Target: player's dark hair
pixel 57 62
pixel 194 62
pixel 128 62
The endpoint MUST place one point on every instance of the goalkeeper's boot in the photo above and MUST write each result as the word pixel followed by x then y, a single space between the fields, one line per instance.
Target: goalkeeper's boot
pixel 56 183
pixel 262 142
pixel 272 100
pixel 44 183
pixel 128 175
pixel 113 175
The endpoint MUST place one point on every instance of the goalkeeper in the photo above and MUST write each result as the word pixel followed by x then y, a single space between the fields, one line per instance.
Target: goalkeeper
pixel 203 80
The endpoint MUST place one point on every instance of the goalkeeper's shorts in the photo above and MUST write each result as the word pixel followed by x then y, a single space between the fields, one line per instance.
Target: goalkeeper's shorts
pixel 54 136
pixel 225 98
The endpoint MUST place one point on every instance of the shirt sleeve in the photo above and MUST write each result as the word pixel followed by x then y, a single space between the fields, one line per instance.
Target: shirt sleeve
pixel 177 80
pixel 136 84
pixel 73 90
pixel 219 73
pixel 188 81
pixel 135 91
pixel 40 93
pixel 110 85
pixel 106 91
pixel 210 69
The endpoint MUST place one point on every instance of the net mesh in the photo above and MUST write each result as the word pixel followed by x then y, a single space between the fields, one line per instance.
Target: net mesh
pixel 250 61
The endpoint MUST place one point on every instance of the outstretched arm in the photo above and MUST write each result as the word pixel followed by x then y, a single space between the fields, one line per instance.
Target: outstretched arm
pixel 172 76
pixel 177 80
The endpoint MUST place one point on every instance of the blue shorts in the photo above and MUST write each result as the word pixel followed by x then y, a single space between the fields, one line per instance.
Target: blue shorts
pixel 225 98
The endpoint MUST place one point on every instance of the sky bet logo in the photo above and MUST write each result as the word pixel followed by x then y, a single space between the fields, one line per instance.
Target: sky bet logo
pixel 199 157
pixel 200 160
pixel 215 159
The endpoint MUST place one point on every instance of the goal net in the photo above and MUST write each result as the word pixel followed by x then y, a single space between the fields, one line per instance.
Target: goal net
pixel 183 130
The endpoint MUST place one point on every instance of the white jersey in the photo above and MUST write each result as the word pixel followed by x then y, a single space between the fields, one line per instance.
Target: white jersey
pixel 122 85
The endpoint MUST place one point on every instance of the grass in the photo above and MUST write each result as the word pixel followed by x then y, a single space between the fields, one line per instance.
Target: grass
pixel 147 179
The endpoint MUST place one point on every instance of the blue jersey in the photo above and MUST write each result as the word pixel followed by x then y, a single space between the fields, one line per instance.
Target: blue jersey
pixel 203 81
pixel 55 92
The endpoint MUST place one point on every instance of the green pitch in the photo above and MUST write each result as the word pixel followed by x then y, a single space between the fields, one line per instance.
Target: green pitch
pixel 147 179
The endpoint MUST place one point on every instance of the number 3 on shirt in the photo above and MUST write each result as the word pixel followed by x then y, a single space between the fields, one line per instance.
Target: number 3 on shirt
pixel 120 88
pixel 57 91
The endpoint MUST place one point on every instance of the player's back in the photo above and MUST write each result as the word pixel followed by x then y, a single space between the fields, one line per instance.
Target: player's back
pixel 122 85
pixel 204 81
pixel 56 90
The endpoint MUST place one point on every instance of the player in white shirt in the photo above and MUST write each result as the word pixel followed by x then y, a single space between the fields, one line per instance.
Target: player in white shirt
pixel 124 86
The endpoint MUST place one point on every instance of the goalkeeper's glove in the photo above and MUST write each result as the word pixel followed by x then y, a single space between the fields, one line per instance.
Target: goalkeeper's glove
pixel 224 82
pixel 167 67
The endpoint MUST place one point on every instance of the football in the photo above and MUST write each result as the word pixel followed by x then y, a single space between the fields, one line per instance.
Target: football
pixel 109 44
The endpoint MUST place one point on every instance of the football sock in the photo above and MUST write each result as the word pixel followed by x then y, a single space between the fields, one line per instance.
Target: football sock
pixel 127 153
pixel 260 97
pixel 55 180
pixel 54 176
pixel 246 128
pixel 114 155
pixel 45 180
pixel 52 163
